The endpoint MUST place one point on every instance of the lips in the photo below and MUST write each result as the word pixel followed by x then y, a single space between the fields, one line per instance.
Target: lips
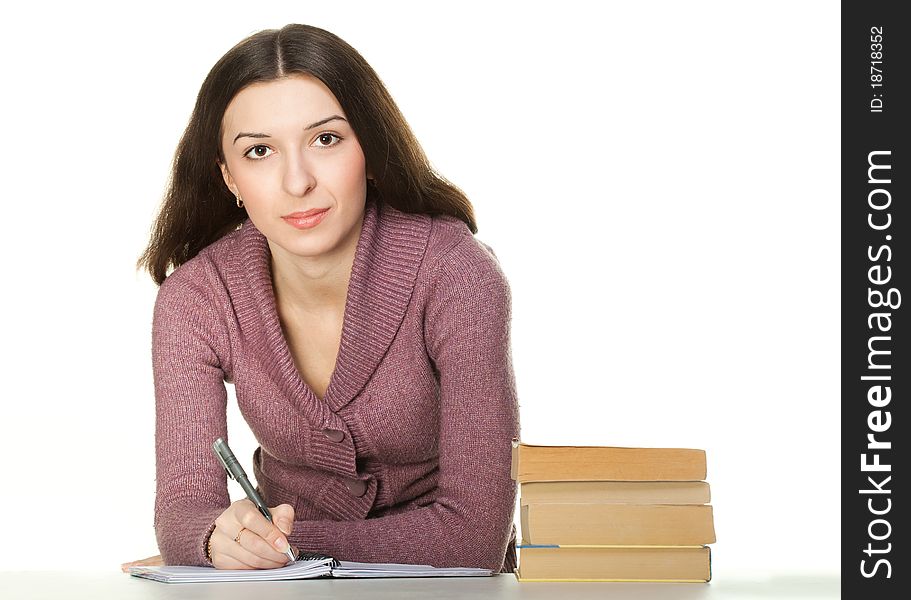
pixel 307 219
pixel 305 214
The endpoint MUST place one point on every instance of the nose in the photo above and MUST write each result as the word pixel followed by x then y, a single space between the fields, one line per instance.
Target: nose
pixel 299 176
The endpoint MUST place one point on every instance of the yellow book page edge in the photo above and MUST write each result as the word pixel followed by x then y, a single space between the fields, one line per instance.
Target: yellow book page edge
pixel 516 443
pixel 551 546
pixel 526 580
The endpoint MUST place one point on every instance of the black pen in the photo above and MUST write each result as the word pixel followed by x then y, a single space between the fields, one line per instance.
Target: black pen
pixel 236 472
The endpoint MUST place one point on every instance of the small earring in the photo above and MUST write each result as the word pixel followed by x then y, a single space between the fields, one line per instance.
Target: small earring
pixel 240 203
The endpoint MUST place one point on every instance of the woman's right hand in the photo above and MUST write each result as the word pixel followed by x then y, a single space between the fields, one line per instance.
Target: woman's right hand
pixel 261 544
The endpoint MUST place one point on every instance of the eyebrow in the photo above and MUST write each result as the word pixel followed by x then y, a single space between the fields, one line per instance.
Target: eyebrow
pixel 307 128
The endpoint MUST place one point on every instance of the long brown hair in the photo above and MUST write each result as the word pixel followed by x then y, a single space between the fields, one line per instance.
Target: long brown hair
pixel 198 208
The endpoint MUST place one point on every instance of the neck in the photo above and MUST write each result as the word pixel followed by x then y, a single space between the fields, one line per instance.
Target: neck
pixel 314 284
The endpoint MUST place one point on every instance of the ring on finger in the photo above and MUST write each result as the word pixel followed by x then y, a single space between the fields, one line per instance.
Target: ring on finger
pixel 237 537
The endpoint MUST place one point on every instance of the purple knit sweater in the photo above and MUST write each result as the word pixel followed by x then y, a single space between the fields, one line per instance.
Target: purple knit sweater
pixel 407 457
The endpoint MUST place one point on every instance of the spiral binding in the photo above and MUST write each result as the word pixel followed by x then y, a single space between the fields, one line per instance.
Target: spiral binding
pixel 302 555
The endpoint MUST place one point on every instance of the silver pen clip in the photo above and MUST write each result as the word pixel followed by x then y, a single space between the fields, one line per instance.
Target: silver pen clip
pixel 221 459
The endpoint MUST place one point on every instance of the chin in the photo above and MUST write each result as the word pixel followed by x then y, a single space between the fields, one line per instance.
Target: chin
pixel 312 247
pixel 313 244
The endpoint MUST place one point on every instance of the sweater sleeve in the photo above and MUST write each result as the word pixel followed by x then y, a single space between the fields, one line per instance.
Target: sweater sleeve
pixel 190 411
pixel 467 335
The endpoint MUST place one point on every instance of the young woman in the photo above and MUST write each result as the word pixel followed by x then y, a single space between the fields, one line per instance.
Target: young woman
pixel 322 267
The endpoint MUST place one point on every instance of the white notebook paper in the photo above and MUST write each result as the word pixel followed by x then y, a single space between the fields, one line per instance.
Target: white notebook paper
pixel 302 569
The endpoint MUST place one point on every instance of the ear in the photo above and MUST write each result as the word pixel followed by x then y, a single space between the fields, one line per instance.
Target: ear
pixel 226 175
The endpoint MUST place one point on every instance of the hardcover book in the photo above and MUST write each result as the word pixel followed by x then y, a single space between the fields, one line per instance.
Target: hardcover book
pixel 616 492
pixel 644 524
pixel 684 564
pixel 600 463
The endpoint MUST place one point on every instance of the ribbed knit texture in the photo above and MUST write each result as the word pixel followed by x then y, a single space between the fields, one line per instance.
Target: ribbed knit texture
pixel 407 457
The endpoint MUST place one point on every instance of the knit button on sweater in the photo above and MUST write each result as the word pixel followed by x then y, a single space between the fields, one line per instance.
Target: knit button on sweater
pixel 406 459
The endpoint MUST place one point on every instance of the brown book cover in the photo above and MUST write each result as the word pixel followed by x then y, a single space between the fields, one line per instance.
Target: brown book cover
pixel 617 524
pixel 619 563
pixel 600 463
pixel 615 492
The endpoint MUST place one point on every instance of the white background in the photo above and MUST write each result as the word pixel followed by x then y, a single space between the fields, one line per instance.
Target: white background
pixel 660 181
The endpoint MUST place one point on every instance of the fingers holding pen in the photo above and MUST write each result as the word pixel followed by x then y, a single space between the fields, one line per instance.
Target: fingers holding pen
pixel 283 518
pixel 243 551
pixel 269 540
pixel 268 545
pixel 244 539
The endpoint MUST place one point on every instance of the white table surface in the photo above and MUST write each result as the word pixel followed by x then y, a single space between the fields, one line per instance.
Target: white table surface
pixel 29 585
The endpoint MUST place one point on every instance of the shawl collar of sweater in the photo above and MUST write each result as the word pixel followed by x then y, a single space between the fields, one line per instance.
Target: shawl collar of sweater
pixel 389 252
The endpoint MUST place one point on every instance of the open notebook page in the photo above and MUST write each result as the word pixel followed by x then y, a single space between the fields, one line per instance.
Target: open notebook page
pixel 301 569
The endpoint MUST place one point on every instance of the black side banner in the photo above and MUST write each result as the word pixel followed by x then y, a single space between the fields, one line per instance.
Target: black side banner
pixel 875 368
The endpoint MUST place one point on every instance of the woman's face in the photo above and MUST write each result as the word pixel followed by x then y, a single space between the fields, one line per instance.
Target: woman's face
pixel 288 149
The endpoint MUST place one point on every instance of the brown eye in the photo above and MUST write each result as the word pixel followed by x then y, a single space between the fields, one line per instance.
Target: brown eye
pixel 326 138
pixel 258 151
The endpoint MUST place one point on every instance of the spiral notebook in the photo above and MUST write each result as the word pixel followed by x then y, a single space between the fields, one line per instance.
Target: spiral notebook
pixel 307 567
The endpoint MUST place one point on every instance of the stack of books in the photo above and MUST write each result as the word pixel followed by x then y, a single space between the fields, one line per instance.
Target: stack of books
pixel 603 513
